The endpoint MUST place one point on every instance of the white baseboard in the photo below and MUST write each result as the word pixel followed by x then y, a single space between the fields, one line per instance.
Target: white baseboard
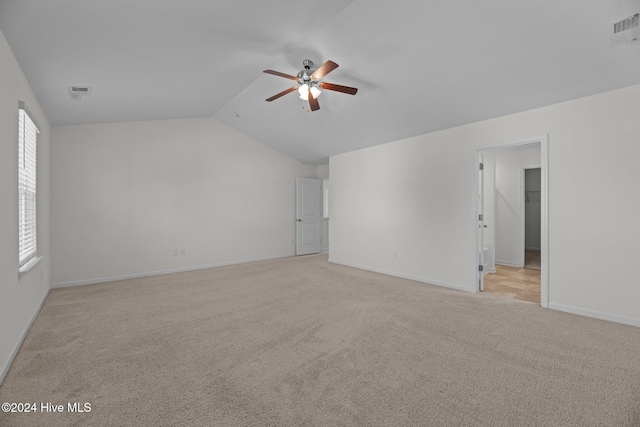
pixel 14 353
pixel 596 314
pixel 508 263
pixel 168 271
pixel 404 276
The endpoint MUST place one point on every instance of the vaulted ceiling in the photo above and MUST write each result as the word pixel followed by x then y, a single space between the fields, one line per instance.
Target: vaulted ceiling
pixel 420 66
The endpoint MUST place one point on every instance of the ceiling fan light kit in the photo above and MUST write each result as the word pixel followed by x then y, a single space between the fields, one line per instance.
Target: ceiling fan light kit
pixel 309 84
pixel 309 87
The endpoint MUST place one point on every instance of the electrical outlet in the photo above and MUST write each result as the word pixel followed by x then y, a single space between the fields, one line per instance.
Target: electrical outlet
pixel 183 251
pixel 175 252
pixel 395 254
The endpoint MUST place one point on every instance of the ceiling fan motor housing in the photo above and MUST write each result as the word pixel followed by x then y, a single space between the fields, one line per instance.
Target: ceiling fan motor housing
pixel 304 76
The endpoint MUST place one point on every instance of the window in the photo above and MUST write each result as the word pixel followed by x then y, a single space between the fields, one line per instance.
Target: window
pixel 27 134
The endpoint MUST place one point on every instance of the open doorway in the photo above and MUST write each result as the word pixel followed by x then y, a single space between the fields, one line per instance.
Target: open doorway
pixel 511 220
pixel 532 225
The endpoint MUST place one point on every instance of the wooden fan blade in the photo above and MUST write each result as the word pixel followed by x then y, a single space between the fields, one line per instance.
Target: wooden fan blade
pixel 278 73
pixel 325 69
pixel 283 93
pixel 339 88
pixel 313 102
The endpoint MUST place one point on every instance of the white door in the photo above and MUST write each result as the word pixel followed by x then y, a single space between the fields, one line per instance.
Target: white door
pixel 308 216
pixel 481 226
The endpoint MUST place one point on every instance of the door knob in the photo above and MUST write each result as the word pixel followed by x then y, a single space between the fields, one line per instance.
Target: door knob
pixel 299 220
pixel 485 226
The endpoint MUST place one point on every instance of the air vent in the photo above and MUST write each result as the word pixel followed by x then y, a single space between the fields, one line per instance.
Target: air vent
pixel 77 91
pixel 626 30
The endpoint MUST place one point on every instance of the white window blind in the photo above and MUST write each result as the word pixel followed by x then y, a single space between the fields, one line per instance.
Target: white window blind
pixel 27 134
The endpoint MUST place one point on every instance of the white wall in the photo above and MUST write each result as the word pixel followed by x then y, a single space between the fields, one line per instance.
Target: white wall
pixel 322 171
pixel 416 197
pixel 509 219
pixel 125 195
pixel 19 299
pixel 532 208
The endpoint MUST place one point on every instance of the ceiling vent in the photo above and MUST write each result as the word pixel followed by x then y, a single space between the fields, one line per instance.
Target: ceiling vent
pixel 626 31
pixel 78 91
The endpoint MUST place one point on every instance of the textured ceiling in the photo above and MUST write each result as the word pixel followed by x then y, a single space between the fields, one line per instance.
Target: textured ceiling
pixel 420 66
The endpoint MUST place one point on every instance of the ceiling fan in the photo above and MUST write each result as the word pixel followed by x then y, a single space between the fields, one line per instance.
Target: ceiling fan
pixel 309 83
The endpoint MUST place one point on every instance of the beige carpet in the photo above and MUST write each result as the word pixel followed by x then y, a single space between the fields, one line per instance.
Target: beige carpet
pixel 299 342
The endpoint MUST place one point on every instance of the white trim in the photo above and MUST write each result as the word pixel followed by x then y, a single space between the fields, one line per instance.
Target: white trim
pixel 475 210
pixel 509 263
pixel 544 222
pixel 23 106
pixel 14 353
pixel 405 276
pixel 302 219
pixel 481 224
pixel 513 145
pixel 28 266
pixel 543 140
pixel 168 271
pixel 596 314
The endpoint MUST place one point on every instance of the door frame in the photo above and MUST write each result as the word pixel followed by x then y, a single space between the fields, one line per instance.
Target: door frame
pixel 543 140
pixel 480 180
pixel 300 215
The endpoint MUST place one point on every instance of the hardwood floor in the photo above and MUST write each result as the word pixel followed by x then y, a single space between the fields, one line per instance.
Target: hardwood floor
pixel 514 282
